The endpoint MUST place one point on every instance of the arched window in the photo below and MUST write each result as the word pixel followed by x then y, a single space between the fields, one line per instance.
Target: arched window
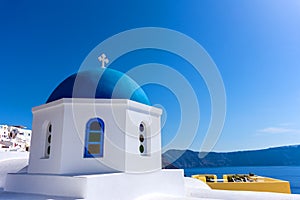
pixel 94 138
pixel 143 139
pixel 48 129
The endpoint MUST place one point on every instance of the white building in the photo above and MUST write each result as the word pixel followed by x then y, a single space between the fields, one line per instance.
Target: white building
pixel 4 132
pixel 14 138
pixel 111 135
pixel 96 131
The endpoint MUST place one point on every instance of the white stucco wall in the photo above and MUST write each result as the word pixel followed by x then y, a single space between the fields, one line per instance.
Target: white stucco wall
pixel 52 113
pixel 151 160
pixel 121 153
pixel 77 114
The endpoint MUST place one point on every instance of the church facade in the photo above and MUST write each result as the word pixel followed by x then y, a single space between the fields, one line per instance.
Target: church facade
pixel 96 131
pixel 85 136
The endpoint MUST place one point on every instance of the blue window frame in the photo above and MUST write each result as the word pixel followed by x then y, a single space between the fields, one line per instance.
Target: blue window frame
pixel 94 138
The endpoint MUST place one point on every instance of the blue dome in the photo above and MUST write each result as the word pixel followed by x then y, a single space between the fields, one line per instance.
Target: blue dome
pixel 99 84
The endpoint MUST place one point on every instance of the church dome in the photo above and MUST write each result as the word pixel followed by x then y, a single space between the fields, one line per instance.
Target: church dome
pixel 99 84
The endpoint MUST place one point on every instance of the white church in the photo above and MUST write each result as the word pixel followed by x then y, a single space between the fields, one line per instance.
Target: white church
pixel 96 136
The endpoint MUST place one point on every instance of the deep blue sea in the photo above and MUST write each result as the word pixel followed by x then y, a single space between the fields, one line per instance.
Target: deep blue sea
pixel 288 173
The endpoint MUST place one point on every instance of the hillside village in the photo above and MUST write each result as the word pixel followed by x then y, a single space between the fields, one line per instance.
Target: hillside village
pixel 14 138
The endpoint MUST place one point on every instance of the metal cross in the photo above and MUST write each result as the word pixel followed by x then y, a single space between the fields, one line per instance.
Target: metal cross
pixel 103 59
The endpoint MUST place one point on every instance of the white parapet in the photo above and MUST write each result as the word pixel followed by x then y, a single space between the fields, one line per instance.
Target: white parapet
pixel 107 186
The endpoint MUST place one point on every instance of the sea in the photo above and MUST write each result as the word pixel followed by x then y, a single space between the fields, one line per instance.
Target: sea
pixel 287 173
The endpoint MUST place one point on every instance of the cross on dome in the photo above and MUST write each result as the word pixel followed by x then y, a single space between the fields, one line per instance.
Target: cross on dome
pixel 103 59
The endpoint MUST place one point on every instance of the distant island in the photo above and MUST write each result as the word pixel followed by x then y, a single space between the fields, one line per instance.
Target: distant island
pixel 278 156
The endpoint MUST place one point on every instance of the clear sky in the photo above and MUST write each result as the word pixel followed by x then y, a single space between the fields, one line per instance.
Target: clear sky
pixel 254 43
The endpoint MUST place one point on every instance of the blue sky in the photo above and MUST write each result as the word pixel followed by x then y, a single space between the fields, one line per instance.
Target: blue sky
pixel 255 45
